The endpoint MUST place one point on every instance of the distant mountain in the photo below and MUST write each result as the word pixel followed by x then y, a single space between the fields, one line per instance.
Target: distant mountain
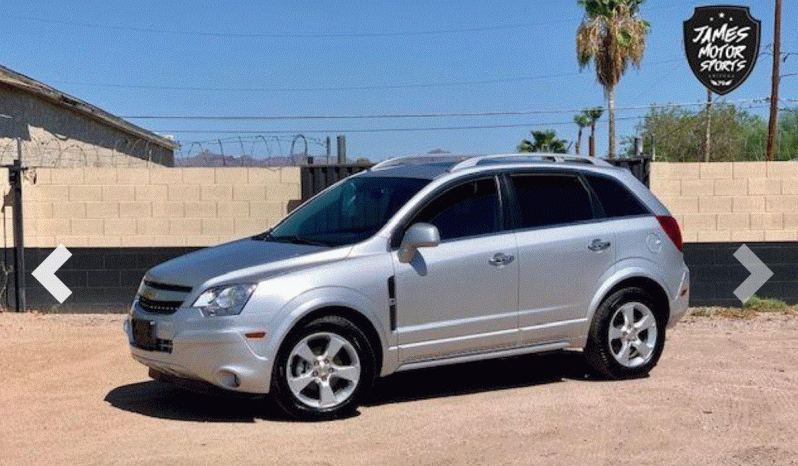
pixel 210 159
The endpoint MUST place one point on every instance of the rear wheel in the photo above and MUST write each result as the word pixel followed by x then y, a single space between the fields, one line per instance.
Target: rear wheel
pixel 627 335
pixel 322 369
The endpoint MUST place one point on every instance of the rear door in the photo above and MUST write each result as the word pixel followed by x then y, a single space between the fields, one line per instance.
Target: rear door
pixel 461 296
pixel 563 252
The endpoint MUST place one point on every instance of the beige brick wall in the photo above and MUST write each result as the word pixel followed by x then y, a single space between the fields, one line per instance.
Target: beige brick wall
pixel 82 207
pixel 730 201
pixel 719 201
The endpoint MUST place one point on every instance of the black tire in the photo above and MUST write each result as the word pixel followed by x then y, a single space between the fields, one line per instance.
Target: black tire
pixel 640 349
pixel 316 335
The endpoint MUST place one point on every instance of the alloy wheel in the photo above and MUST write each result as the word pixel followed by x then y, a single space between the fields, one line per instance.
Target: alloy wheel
pixel 323 370
pixel 633 334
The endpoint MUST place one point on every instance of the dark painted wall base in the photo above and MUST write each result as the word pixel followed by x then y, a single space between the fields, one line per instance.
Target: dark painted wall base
pixel 101 279
pixel 716 273
pixel 106 279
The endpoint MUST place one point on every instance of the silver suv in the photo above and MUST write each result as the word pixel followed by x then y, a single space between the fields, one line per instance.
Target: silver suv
pixel 421 262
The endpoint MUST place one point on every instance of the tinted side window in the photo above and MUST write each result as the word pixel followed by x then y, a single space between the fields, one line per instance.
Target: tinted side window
pixel 469 209
pixel 546 200
pixel 351 212
pixel 615 198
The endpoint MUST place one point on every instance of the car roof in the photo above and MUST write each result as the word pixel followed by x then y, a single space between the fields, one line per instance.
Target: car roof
pixel 427 171
pixel 432 167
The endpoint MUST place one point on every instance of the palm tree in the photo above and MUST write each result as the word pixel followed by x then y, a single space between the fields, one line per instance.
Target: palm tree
pixel 593 114
pixel 544 141
pixel 612 36
pixel 582 121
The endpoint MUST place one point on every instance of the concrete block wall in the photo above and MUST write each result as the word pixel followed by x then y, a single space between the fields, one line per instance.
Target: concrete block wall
pixel 730 201
pixel 130 207
pixel 152 207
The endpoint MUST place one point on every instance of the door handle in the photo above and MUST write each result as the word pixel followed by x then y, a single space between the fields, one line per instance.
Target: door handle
pixel 598 245
pixel 500 259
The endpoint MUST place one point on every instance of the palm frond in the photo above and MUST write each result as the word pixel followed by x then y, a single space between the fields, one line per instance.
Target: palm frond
pixel 612 38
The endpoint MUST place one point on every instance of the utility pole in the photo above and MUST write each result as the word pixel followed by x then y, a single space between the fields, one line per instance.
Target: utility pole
pixel 708 140
pixel 774 93
pixel 327 142
pixel 341 148
pixel 15 171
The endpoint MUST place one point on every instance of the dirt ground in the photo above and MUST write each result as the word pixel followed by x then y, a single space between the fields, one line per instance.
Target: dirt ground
pixel 724 393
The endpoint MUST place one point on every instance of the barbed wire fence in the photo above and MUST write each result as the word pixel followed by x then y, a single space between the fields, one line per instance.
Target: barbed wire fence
pixel 54 152
pixel 253 150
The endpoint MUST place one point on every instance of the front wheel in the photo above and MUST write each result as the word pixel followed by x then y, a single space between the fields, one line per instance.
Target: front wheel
pixel 322 369
pixel 627 335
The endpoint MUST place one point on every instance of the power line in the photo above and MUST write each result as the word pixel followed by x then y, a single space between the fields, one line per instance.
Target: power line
pixel 411 115
pixel 372 130
pixel 303 35
pixel 370 87
pixel 434 128
pixel 287 35
pixel 317 89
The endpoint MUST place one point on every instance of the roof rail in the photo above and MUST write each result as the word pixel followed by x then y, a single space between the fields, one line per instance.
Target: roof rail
pixel 527 157
pixel 460 162
pixel 418 160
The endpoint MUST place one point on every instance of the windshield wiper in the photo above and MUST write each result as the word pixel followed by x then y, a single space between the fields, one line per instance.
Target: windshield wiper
pixel 294 240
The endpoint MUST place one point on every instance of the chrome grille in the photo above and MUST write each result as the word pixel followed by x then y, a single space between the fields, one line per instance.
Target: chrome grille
pixel 167 286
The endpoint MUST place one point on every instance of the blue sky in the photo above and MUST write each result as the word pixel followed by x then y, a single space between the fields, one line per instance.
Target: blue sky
pixel 181 58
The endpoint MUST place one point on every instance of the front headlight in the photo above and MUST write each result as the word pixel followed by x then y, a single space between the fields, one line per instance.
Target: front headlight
pixel 226 300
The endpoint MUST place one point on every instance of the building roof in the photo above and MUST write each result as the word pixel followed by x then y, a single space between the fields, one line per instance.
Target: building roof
pixel 41 90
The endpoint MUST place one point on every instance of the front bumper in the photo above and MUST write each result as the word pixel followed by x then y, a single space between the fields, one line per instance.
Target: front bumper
pixel 221 356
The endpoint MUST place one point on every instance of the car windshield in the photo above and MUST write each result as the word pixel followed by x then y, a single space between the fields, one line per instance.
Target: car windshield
pixel 350 212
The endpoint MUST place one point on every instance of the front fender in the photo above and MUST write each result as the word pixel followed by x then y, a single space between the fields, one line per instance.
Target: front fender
pixel 330 296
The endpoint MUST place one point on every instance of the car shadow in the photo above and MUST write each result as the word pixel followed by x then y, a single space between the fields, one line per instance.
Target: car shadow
pixel 480 376
pixel 164 401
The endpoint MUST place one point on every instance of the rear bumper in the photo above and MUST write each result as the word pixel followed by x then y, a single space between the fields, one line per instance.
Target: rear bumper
pixel 680 303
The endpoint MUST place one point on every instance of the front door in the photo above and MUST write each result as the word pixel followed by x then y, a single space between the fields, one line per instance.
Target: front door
pixel 461 296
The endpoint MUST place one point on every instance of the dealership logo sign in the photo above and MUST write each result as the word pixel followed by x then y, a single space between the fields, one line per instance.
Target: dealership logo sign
pixel 722 44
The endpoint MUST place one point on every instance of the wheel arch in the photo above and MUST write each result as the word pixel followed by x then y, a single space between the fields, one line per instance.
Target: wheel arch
pixel 650 285
pixel 352 315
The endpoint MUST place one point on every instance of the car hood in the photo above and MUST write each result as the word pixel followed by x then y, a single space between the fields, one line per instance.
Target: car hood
pixel 245 257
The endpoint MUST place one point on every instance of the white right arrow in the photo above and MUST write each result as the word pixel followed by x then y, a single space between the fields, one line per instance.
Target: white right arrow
pixel 760 273
pixel 45 273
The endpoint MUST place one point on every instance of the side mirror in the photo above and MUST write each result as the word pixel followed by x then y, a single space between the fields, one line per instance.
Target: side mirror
pixel 420 235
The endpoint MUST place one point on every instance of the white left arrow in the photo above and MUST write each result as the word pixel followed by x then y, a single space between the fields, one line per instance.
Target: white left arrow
pixel 45 273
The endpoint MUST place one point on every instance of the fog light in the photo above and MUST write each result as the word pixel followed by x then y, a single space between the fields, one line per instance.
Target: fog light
pixel 228 379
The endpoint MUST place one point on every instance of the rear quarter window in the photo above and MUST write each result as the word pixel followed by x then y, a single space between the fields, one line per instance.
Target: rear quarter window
pixel 615 198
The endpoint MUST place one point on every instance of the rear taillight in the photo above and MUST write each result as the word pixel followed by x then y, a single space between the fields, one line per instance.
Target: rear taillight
pixel 671 228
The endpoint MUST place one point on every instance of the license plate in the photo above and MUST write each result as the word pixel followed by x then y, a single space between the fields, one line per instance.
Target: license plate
pixel 144 333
